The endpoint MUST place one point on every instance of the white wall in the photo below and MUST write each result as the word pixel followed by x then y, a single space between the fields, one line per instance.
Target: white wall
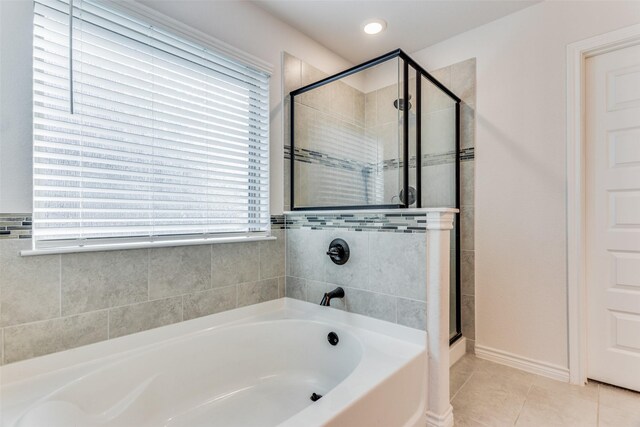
pixel 520 218
pixel 238 23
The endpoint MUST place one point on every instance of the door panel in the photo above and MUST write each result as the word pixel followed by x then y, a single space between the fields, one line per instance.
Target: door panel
pixel 613 216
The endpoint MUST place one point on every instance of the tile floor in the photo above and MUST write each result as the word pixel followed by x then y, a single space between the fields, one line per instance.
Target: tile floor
pixel 486 394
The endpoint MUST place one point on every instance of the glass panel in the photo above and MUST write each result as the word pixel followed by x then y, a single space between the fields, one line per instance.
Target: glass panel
pixel 438 145
pixel 347 141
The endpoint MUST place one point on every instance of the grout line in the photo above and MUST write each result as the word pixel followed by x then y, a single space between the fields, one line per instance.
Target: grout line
pixel 524 403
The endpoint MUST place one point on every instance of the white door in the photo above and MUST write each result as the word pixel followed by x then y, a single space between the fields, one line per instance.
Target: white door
pixel 613 216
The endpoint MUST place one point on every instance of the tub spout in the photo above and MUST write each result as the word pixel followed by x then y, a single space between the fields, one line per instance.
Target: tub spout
pixel 336 293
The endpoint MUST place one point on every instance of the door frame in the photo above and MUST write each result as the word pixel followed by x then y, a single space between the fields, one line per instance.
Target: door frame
pixel 577 53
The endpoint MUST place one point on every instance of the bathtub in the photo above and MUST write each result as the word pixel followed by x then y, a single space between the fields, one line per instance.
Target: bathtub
pixel 253 366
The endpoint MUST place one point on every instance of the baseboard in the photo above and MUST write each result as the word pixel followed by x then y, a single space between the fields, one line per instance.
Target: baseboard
pixel 529 365
pixel 440 420
pixel 457 350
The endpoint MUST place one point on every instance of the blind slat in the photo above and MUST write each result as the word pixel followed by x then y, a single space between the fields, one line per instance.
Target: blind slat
pixel 167 140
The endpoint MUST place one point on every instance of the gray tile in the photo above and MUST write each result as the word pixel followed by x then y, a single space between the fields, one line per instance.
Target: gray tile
pixel 50 336
pixel 1 347
pixel 370 304
pixel 272 256
pixel 467 126
pixel 179 270
pixel 467 182
pixel 96 280
pixel 463 79
pixel 467 267
pixel 29 286
pixel 296 287
pixel 306 253
pixel 233 263
pixel 412 313
pixel 134 318
pixel 355 272
pixel 291 73
pixel 471 346
pixel 209 302
pixel 281 286
pixel 398 264
pixel 468 316
pixel 467 238
pixel 257 292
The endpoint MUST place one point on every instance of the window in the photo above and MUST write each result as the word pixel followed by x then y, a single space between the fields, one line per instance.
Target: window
pixel 140 134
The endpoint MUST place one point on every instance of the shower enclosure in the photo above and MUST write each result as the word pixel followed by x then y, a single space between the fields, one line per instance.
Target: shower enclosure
pixel 381 135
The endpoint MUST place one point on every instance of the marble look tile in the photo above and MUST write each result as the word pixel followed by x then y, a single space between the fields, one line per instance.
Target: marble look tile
pixel 463 79
pixel 467 126
pixel 552 403
pixel 441 190
pixel 287 184
pixel 370 109
pixel 291 73
pixel 209 302
pixel 179 270
pixel 398 265
pixel 1 347
pixel 370 304
pixel 96 280
pixel 257 292
pixel 412 313
pixel 468 314
pixel 462 421
pixel 467 267
pixel 386 111
pixel 355 272
pixel 281 286
pixel 471 346
pixel 296 287
pixel 467 233
pixel 49 336
pixel 343 102
pixel 467 182
pixel 306 253
pixel 439 131
pixel 618 407
pixel 493 396
pixel 460 373
pixel 272 256
pixel 233 263
pixel 29 286
pixel 434 98
pixel 134 318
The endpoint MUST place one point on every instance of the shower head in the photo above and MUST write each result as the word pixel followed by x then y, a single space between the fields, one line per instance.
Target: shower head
pixel 400 104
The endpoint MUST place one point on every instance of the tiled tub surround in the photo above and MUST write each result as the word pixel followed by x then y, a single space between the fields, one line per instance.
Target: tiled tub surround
pixel 51 303
pixel 397 273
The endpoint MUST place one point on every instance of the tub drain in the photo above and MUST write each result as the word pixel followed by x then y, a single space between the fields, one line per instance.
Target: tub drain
pixel 315 397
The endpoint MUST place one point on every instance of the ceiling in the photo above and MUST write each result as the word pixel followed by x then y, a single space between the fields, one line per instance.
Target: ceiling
pixel 412 24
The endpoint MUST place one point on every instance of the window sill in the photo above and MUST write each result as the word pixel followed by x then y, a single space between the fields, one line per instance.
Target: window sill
pixel 144 245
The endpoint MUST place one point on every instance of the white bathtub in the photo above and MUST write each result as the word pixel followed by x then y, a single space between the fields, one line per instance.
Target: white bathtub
pixel 254 366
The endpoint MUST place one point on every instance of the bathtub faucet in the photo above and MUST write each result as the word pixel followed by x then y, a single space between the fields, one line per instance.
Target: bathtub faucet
pixel 336 293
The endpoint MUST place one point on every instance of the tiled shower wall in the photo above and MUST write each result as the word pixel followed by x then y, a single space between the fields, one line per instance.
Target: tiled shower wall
pixel 437 169
pixel 385 275
pixel 51 303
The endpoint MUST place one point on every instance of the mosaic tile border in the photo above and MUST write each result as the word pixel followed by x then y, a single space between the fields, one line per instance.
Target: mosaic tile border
pixel 19 225
pixel 317 157
pixel 372 222
pixel 15 225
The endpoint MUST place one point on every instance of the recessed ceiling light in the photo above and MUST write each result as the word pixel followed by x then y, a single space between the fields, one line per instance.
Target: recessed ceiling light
pixel 374 26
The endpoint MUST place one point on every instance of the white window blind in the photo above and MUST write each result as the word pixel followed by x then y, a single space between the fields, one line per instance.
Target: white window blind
pixel 153 138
